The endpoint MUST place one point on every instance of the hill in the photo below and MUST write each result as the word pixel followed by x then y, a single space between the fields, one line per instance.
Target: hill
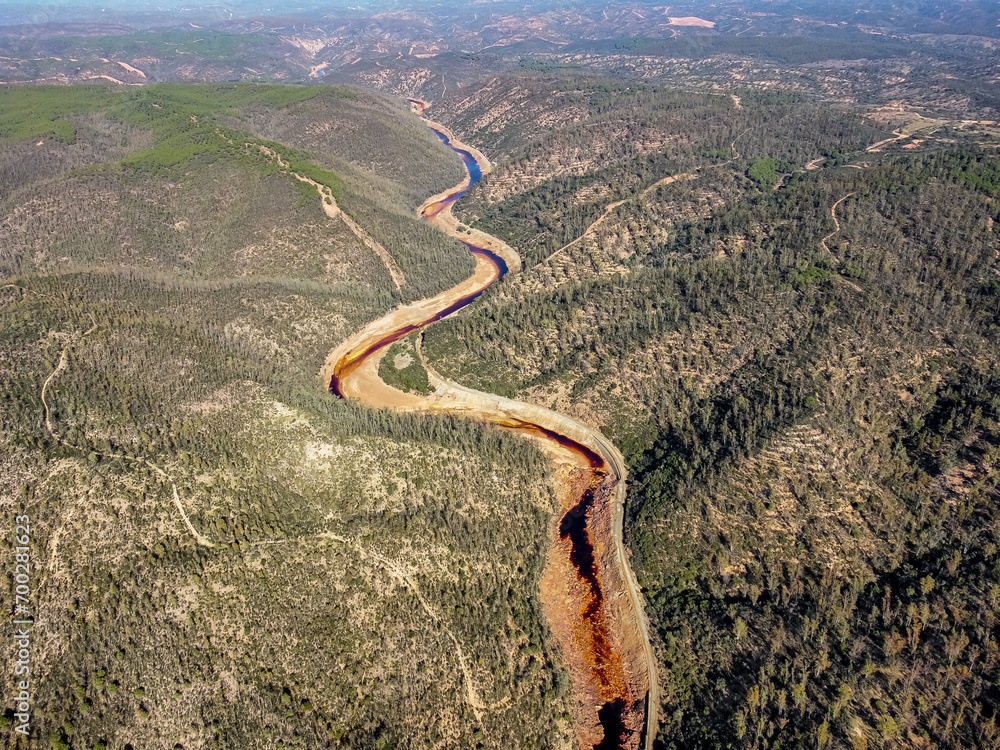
pixel 226 555
pixel 787 321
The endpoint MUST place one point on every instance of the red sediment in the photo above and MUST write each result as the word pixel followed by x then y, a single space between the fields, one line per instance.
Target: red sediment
pixel 595 460
pixel 579 592
pixel 353 360
pixel 608 712
pixel 432 210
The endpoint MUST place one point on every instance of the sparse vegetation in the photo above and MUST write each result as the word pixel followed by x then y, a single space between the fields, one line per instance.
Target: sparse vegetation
pixel 228 557
pixel 341 558
pixel 812 431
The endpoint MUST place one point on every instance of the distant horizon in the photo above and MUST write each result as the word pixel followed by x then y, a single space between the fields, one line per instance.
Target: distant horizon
pixel 142 12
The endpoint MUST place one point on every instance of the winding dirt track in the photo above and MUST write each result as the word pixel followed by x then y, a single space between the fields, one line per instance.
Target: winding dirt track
pixel 352 370
pixel 659 183
pixel 60 367
pixel 331 209
pixel 836 223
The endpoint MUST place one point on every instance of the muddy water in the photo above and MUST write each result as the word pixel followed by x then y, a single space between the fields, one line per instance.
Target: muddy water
pixel 593 633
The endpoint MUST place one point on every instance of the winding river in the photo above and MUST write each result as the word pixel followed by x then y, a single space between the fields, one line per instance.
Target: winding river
pixel 590 595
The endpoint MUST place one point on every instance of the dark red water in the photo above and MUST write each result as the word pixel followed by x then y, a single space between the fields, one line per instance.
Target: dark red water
pixel 575 524
pixel 596 460
pixel 610 716
pixel 576 527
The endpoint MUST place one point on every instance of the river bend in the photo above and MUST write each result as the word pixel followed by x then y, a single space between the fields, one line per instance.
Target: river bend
pixel 589 593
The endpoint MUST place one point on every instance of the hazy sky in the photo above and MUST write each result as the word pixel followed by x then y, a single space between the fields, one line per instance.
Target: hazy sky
pixel 120 11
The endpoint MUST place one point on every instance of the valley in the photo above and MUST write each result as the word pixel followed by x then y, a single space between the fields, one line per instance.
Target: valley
pixel 235 439
pixel 608 667
pixel 542 376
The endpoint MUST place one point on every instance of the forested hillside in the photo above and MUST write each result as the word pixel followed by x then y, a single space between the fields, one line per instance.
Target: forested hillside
pixel 780 302
pixel 226 556
pixel 788 322
pixel 174 177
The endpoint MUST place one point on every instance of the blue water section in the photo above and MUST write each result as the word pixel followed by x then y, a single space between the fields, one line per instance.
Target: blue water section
pixel 475 172
pixel 499 262
pixel 582 555
pixel 475 175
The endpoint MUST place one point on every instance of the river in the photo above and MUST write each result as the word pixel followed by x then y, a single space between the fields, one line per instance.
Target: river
pixel 612 691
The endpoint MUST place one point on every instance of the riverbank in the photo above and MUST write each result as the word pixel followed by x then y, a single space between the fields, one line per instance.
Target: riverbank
pixel 589 596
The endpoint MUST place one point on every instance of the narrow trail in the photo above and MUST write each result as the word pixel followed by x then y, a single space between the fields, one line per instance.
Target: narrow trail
pixel 822 242
pixel 471 695
pixel 60 367
pixel 390 263
pixel 897 135
pixel 351 371
pixel 199 538
pixel 331 209
pixel 669 181
pixel 836 223
pixel 386 564
pixel 607 211
pixel 131 69
pixel 659 183
pixel 612 206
